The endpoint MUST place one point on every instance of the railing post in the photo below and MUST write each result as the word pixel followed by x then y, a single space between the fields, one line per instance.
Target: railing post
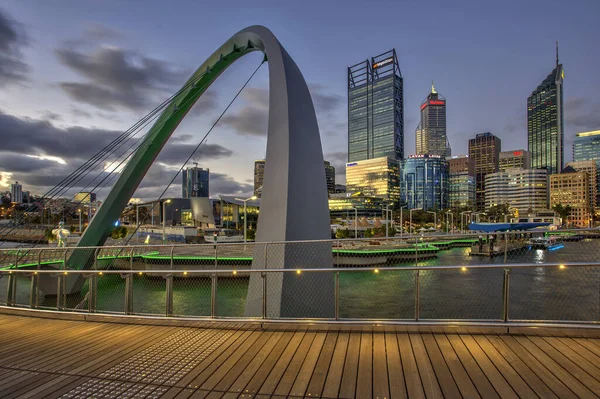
pixel 172 251
pixel 337 295
pixel 92 292
pixel 128 293
pixel 213 295
pixel 505 294
pixel 417 295
pixel 60 291
pixel 505 246
pixel 16 258
pixel 169 296
pixel 96 254
pixel 33 291
pixel 264 294
pixel 337 254
pixel 216 259
pixel 11 290
pixel 130 259
pixel 416 251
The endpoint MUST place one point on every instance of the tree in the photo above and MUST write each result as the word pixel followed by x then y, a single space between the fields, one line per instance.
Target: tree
pixel 563 211
pixel 342 233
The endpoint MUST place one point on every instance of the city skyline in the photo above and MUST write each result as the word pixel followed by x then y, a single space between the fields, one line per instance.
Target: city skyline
pixel 78 57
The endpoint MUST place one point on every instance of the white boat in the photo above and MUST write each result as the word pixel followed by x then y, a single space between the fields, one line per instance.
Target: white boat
pixel 546 243
pixel 222 235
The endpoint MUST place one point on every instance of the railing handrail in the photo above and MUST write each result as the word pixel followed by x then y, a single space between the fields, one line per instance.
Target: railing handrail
pixel 311 270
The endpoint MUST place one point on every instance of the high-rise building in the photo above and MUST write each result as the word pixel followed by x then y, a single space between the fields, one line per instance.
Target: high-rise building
pixel 375 109
pixel 484 150
pixel 378 177
pixel 259 174
pixel 572 188
pixel 195 182
pixel 16 193
pixel 431 131
pixel 592 170
pixel 586 146
pixel 523 189
pixel 517 159
pixel 545 125
pixel 84 197
pixel 424 182
pixel 462 182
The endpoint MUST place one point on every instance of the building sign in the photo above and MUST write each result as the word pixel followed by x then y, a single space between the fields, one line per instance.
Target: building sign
pixel 382 63
pixel 423 106
pixel 424 156
pixel 436 102
pixel 351 164
pixel 517 153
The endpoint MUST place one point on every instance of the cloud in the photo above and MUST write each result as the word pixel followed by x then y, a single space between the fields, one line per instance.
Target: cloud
pixel 12 39
pixel 117 77
pixel 98 32
pixel 582 113
pixel 223 184
pixel 324 102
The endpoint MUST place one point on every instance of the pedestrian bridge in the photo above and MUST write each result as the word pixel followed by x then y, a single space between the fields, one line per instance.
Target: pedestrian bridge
pixel 77 357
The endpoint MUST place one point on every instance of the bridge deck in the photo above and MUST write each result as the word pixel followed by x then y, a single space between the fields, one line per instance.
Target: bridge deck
pixel 52 358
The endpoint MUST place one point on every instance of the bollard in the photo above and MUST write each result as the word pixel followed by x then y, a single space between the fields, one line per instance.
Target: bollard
pixel 505 294
pixel 169 296
pixel 264 294
pixel 128 293
pixel 213 295
pixel 337 295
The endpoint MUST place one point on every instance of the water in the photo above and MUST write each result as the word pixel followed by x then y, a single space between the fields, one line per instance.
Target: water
pixel 535 293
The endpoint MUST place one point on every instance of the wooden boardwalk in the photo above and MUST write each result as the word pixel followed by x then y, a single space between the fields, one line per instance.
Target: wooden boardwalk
pixel 60 358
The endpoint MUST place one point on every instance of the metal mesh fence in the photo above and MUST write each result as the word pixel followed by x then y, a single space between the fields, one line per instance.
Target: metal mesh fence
pixel 192 295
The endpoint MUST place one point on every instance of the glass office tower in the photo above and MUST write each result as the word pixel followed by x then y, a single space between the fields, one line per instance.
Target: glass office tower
pixel 194 182
pixel 377 177
pixel 424 182
pixel 545 124
pixel 375 109
pixel 430 134
pixel 586 146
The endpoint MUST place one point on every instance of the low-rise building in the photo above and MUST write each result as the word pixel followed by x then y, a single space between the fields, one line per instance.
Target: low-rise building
pixel 518 159
pixel 522 189
pixel 572 188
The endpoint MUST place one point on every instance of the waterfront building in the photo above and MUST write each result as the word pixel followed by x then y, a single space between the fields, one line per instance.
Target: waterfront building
pixel 572 188
pixel 84 197
pixel 484 150
pixel 424 182
pixel 259 174
pixel 461 177
pixel 517 159
pixel 523 189
pixel 342 205
pixel 195 182
pixel 586 147
pixel 375 109
pixel 16 193
pixel 378 177
pixel 592 170
pixel 545 126
pixel 430 134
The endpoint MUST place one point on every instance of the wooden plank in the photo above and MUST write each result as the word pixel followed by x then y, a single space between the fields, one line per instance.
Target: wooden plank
pixel 444 376
pixel 381 387
pixel 578 354
pixel 237 379
pixel 364 382
pixel 430 383
pixel 288 338
pixel 348 385
pixel 394 367
pixel 590 346
pixel 544 383
pixel 186 393
pixel 462 379
pixel 565 359
pixel 557 369
pixel 288 378
pixel 317 381
pixel 510 375
pixel 306 371
pixel 279 369
pixel 336 368
pixel 414 386
pixel 493 375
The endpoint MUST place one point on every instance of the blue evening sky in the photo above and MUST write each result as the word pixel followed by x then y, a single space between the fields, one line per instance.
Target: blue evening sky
pixel 484 56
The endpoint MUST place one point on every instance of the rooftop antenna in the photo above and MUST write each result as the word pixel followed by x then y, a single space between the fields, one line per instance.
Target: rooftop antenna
pixel 557 53
pixel 195 164
pixel 433 88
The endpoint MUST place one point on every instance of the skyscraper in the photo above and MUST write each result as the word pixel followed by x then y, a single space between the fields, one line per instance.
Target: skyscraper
pixel 16 193
pixel 431 132
pixel 424 182
pixel 378 177
pixel 375 109
pixel 484 150
pixel 586 146
pixel 195 182
pixel 545 125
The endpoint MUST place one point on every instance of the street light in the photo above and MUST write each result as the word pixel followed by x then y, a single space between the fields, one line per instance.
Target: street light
pixel 434 219
pixel 164 215
pixel 355 222
pixel 410 215
pixel 245 218
pixel 461 220
pixel 79 210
